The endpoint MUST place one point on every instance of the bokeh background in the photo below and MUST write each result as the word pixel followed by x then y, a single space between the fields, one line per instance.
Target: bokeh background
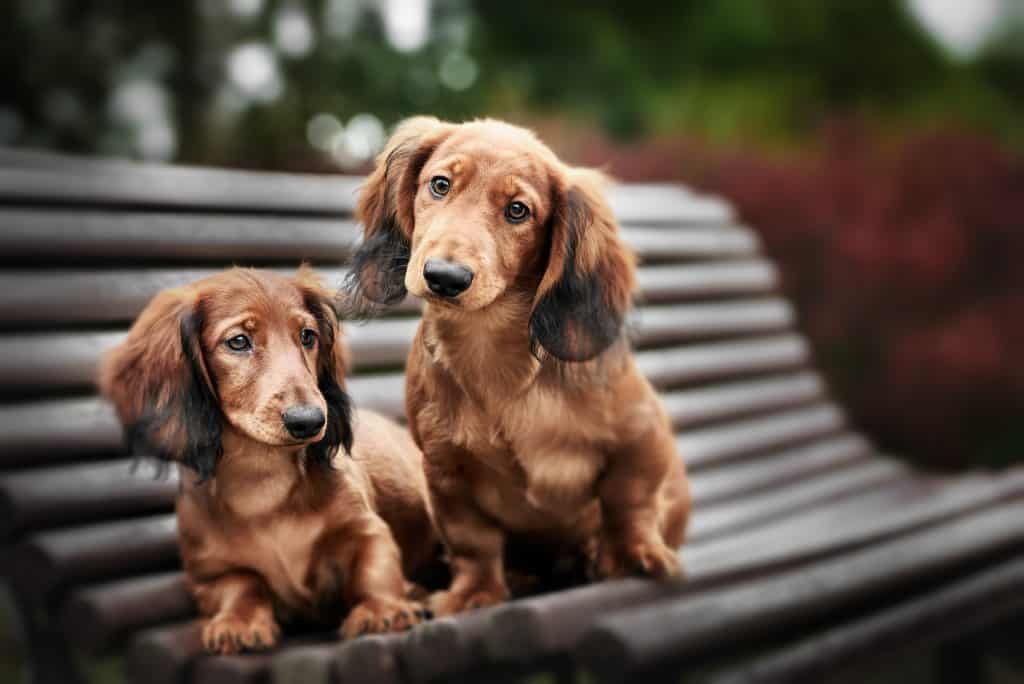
pixel 876 145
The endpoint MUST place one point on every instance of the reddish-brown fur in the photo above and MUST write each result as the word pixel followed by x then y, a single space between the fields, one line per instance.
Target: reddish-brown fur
pixel 533 418
pixel 273 534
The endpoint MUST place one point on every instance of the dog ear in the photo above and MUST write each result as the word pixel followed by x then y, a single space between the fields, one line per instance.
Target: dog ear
pixel 385 208
pixel 332 365
pixel 589 279
pixel 159 384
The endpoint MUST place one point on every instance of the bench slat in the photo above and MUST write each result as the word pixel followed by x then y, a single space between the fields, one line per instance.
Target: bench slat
pixel 686 364
pixel 49 560
pixel 854 522
pixel 720 242
pixel 180 188
pixel 81 492
pixel 666 204
pixel 719 521
pixel 54 361
pixel 963 607
pixel 709 486
pixel 306 664
pixel 137 236
pixel 376 654
pixel 662 325
pixel 366 652
pixel 238 669
pixel 634 640
pixel 555 623
pixel 37 432
pixel 128 184
pixel 660 283
pixel 338 662
pixel 717 444
pixel 50 362
pixel 172 655
pixel 161 655
pixel 132 604
pixel 384 393
pixel 736 399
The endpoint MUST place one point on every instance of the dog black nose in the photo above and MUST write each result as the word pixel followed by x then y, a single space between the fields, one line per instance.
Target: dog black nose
pixel 303 421
pixel 446 278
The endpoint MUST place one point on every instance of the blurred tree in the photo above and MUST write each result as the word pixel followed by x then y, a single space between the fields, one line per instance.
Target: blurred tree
pixel 614 57
pixel 895 241
pixel 238 81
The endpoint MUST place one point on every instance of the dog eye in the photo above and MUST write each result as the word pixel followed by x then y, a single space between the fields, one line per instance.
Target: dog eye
pixel 308 338
pixel 517 212
pixel 239 343
pixel 439 186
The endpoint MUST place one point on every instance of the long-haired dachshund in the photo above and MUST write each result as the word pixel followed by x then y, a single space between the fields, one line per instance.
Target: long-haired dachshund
pixel 521 389
pixel 289 507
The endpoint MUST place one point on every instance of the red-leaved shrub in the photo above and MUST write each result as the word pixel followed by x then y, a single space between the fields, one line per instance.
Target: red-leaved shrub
pixel 905 259
pixel 906 263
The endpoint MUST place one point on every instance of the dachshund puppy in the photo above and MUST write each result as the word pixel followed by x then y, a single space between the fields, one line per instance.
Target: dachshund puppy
pixel 289 507
pixel 534 421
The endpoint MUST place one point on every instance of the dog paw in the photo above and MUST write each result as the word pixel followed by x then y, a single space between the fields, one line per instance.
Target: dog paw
pixel 642 559
pixel 450 603
pixel 381 615
pixel 227 634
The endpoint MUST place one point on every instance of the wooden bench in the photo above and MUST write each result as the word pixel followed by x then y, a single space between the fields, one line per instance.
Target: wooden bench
pixel 807 550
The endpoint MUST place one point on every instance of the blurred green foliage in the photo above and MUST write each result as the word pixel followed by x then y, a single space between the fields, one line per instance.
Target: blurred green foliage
pixel 11 668
pixel 726 71
pixel 708 91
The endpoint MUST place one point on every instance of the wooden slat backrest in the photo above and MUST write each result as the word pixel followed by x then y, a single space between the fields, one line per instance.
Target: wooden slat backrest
pixel 89 242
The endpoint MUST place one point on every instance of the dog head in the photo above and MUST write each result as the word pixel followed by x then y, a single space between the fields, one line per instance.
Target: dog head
pixel 253 350
pixel 464 214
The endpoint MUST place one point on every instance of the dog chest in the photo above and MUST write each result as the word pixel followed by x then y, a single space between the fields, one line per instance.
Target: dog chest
pixel 279 549
pixel 541 462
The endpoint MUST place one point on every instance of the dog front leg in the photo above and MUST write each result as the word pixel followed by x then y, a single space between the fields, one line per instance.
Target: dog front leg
pixel 238 611
pixel 631 541
pixel 373 583
pixel 475 546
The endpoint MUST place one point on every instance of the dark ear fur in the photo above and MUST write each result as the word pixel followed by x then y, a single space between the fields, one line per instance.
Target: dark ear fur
pixel 159 384
pixel 377 274
pixel 386 212
pixel 200 408
pixel 587 286
pixel 330 380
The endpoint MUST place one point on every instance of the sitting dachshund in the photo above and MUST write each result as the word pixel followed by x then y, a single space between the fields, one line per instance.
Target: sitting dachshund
pixel 535 424
pixel 289 506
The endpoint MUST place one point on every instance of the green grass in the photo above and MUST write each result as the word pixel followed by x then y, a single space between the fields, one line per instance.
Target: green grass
pixel 12 661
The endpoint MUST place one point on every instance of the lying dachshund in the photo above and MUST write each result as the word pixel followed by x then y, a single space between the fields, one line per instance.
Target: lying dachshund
pixel 289 505
pixel 521 390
